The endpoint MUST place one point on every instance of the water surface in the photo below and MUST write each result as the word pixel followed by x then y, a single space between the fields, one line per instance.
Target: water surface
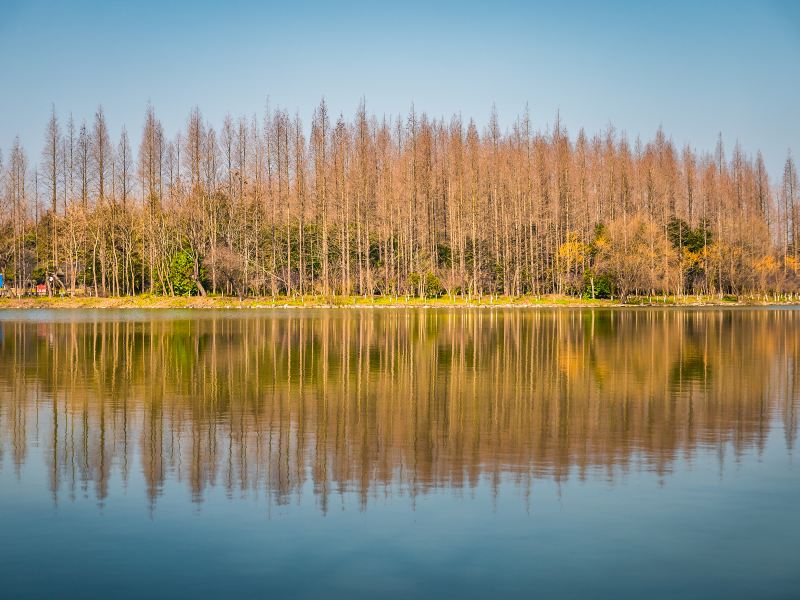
pixel 397 452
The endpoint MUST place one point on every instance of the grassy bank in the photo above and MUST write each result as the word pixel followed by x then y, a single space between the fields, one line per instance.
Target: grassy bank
pixel 209 302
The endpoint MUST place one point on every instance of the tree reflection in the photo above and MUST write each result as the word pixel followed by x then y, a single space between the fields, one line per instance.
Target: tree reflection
pixel 390 401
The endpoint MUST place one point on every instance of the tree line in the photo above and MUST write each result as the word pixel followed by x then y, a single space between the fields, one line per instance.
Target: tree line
pixel 392 206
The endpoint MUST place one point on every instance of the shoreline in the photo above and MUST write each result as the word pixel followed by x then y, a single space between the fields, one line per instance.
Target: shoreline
pixel 217 302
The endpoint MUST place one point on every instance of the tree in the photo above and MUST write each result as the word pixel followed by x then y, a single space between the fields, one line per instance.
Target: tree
pixel 789 196
pixel 51 158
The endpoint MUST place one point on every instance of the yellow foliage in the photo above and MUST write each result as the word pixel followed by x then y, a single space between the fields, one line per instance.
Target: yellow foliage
pixel 690 259
pixel 573 251
pixel 766 265
pixel 791 263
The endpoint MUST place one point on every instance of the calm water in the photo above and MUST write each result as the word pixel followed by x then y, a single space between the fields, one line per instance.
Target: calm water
pixel 393 453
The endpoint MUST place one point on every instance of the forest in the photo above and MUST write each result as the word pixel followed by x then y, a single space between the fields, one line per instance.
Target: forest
pixel 389 206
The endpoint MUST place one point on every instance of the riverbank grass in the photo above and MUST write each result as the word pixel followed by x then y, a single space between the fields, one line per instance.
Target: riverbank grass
pixel 222 302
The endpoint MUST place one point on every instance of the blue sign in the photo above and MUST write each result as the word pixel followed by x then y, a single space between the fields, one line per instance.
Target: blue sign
pixel 1 281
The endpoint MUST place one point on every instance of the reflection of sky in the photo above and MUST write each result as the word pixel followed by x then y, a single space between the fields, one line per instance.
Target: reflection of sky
pixel 709 528
pixel 695 68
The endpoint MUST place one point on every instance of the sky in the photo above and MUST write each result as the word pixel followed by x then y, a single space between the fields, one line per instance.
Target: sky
pixel 696 69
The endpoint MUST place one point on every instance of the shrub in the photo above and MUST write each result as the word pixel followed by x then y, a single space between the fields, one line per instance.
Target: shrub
pixel 603 285
pixel 433 286
pixel 413 282
pixel 181 274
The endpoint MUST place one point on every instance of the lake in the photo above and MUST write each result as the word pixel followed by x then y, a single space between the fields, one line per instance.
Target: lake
pixel 474 453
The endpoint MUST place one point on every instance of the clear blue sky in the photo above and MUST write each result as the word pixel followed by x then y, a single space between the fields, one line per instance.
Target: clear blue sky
pixel 695 68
